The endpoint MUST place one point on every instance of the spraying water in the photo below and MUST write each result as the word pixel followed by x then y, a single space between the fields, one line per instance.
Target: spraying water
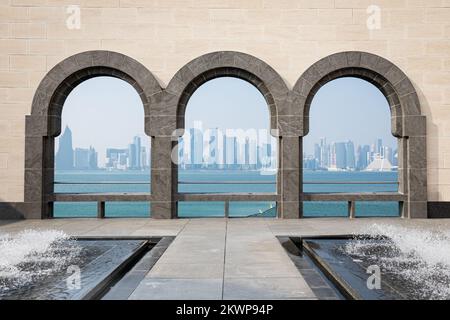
pixel 420 257
pixel 33 254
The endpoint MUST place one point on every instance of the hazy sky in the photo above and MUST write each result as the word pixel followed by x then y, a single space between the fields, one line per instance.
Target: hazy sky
pixel 228 103
pixel 104 112
pixel 107 112
pixel 349 108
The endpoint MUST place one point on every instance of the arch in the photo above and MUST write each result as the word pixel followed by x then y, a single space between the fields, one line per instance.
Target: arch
pixel 164 114
pixel 44 123
pixel 173 101
pixel 407 123
pixel 167 111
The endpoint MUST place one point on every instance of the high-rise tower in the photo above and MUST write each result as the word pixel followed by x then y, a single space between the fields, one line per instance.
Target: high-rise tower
pixel 64 156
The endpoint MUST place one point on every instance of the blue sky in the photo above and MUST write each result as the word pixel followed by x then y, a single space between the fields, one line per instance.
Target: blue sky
pixel 107 112
pixel 349 108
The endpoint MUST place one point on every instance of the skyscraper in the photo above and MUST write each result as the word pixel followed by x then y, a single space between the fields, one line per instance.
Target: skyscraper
pixel 64 156
pixel 196 137
pixel 132 156
pixel 379 146
pixel 138 150
pixel 81 159
pixel 324 153
pixel 350 155
pixel 144 158
pixel 317 153
pixel 116 158
pixel 230 151
pixel 211 153
pixel 93 159
pixel 253 154
pixel 362 157
pixel 340 155
pixel 266 154
pixel 247 152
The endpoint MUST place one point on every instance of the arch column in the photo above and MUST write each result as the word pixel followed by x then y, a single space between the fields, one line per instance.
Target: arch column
pixel 39 168
pixel 164 178
pixel 291 177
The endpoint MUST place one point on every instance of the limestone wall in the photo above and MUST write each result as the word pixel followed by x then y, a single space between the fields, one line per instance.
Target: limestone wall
pixel 164 35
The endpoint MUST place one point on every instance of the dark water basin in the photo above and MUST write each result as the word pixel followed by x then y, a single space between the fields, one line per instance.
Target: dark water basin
pixel 99 262
pixel 350 273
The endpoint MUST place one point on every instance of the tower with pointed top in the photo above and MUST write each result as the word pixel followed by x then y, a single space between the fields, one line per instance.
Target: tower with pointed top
pixel 64 156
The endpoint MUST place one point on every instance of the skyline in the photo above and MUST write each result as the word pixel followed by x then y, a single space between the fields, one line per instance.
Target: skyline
pixel 349 108
pixel 213 149
pixel 348 156
pixel 330 108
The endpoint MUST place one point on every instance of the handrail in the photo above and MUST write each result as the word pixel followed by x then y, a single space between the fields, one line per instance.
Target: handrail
pixel 350 182
pixel 227 182
pixel 351 198
pixel 101 182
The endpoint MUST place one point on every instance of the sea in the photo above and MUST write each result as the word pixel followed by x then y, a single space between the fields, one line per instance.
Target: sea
pixel 138 181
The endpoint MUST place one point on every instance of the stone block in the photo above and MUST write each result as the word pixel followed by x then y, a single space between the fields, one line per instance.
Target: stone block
pixel 415 126
pixel 417 210
pixel 290 210
pixel 290 126
pixel 417 152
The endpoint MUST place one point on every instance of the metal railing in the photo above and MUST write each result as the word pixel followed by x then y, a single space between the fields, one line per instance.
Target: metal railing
pixel 227 197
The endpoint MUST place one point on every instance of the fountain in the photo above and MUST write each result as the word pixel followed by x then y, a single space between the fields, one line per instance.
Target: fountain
pixel 49 264
pixel 413 263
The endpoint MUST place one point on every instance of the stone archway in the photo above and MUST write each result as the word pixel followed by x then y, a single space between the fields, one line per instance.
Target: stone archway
pixel 167 118
pixel 407 123
pixel 44 123
pixel 164 114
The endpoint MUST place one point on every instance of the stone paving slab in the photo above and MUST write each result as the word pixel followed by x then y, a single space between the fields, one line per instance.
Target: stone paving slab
pixel 266 288
pixel 186 270
pixel 178 289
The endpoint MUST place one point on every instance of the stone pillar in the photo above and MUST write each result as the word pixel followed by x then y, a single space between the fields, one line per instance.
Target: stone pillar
pixel 163 178
pixel 39 169
pixel 291 185
pixel 403 174
pixel 415 170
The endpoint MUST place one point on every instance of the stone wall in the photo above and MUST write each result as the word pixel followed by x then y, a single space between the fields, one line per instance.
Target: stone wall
pixel 164 35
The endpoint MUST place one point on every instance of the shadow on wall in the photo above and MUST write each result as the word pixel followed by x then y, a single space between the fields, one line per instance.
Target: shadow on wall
pixel 11 211
pixel 432 147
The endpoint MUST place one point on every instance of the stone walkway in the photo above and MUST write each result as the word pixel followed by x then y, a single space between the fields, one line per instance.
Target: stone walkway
pixel 219 258
pixel 224 259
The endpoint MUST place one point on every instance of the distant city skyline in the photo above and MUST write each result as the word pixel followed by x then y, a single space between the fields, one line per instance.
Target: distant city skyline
pixel 349 108
pixel 134 157
pixel 110 110
pixel 213 149
pixel 346 155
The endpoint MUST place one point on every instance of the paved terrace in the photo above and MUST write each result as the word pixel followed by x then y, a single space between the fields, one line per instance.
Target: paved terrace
pixel 219 258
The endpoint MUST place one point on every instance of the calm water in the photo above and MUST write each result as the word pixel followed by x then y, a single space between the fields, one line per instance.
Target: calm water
pixel 237 209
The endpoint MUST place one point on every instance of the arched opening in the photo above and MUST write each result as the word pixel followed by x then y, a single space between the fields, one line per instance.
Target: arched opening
pixel 227 147
pixel 102 148
pixel 407 124
pixel 350 148
pixel 44 124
